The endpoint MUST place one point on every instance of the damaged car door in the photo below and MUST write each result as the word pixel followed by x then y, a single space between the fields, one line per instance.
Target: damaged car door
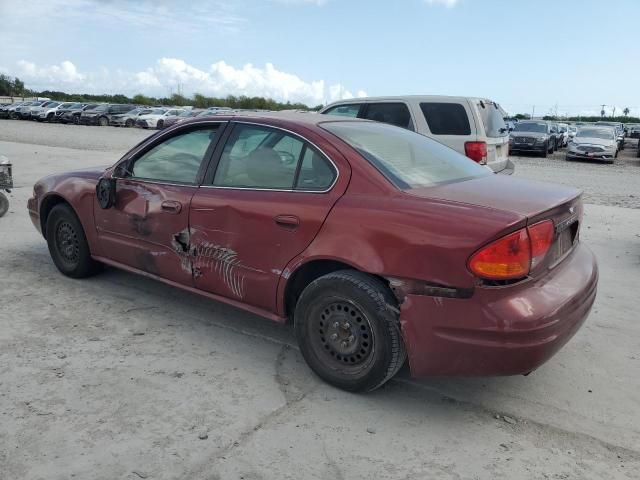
pixel 147 227
pixel 263 205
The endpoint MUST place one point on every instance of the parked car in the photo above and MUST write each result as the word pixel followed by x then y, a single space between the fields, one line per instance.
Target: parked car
pixel 595 143
pixel 572 132
pixel 532 136
pixel 173 119
pixel 49 113
pixel 377 242
pixel 37 109
pixel 128 119
pixel 634 130
pixel 157 117
pixel 102 113
pixel 72 113
pixel 619 131
pixel 471 126
pixel 23 112
pixel 8 111
pixel 563 135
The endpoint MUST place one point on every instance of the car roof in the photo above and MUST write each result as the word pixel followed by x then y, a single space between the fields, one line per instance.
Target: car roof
pixel 410 97
pixel 297 118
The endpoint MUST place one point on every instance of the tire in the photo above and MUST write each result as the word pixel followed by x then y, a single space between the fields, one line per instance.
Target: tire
pixel 550 147
pixel 545 152
pixel 4 204
pixel 103 121
pixel 347 327
pixel 128 123
pixel 76 120
pixel 67 243
pixel 50 118
pixel 160 124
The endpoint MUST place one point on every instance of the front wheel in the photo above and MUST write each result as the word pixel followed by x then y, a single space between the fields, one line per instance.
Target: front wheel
pixel 76 120
pixel 160 124
pixel 103 121
pixel 347 327
pixel 68 244
pixel 4 204
pixel 128 123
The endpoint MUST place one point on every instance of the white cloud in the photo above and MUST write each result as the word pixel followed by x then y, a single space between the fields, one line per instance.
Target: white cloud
pixel 445 3
pixel 170 75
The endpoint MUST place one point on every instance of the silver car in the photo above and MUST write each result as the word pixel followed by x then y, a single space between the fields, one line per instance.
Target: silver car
pixel 594 143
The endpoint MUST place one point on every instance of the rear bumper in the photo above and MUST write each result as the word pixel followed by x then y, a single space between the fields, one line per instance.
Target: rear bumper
pixel 502 330
pixel 509 168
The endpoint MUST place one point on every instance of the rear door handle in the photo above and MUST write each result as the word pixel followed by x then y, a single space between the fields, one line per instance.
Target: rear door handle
pixel 290 222
pixel 170 206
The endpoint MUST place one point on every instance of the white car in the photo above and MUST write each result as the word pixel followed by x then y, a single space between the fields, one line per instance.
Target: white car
pixel 155 119
pixel 473 126
pixel 563 134
pixel 572 132
pixel 48 113
pixel 594 143
pixel 35 110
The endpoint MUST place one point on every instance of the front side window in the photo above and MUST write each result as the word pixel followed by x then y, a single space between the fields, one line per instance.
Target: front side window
pixel 265 158
pixel 407 159
pixel 176 160
pixel 446 118
pixel 350 110
pixel 392 113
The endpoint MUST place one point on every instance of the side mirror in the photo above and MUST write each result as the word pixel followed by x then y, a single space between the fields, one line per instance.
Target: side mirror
pixel 106 192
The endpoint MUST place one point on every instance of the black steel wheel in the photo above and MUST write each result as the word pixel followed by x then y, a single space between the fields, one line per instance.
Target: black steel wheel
pixel 67 243
pixel 348 330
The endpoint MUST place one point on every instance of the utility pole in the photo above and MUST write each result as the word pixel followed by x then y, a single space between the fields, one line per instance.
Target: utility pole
pixel 533 113
pixel 614 112
pixel 602 112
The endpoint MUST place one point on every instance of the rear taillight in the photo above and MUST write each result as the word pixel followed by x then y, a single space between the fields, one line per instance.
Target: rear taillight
pixel 513 256
pixel 476 151
pixel 541 236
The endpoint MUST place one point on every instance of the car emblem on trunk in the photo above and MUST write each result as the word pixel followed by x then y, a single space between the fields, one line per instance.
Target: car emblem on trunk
pixel 572 209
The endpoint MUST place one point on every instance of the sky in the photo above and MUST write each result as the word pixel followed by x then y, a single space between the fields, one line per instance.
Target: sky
pixel 568 56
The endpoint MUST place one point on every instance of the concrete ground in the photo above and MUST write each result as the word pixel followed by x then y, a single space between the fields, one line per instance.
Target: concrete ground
pixel 122 377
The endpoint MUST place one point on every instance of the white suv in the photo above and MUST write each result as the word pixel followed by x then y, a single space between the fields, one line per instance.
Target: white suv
pixel 473 126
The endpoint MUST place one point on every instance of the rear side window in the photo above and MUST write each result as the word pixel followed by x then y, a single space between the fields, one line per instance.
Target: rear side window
pixel 446 118
pixel 350 110
pixel 392 113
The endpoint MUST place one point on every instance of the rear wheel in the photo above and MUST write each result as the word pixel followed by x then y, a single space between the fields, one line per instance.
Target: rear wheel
pixel 103 121
pixel 50 117
pixel 4 204
pixel 76 119
pixel 348 330
pixel 128 123
pixel 68 244
pixel 160 124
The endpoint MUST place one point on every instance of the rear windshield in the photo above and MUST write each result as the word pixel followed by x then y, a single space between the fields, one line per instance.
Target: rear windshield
pixel 538 127
pixel 407 159
pixel 492 118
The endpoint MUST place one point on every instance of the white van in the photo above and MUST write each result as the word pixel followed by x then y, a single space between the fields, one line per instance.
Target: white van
pixel 473 126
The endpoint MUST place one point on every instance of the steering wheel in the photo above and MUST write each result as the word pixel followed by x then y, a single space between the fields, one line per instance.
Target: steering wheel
pixel 286 157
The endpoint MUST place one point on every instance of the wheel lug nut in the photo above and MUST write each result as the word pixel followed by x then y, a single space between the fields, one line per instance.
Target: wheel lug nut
pixel 334 336
pixel 336 324
pixel 351 338
pixel 347 326
pixel 344 344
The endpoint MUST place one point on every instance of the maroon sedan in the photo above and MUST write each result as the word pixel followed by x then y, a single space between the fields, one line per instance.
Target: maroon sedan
pixel 378 243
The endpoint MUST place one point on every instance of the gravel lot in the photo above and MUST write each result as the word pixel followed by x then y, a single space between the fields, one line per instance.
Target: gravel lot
pixel 122 377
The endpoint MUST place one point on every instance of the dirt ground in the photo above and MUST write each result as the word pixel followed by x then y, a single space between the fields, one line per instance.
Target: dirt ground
pixel 122 377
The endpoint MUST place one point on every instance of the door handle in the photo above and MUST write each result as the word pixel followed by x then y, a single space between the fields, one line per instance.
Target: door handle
pixel 170 206
pixel 290 222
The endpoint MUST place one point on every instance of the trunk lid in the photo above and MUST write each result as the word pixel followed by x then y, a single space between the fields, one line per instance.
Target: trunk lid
pixel 535 201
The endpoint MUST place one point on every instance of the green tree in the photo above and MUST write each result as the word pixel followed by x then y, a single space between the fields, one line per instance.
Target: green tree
pixel 626 111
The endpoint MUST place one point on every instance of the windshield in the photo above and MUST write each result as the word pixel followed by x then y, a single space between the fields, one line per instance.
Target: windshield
pixel 492 119
pixel 603 133
pixel 538 127
pixel 407 159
